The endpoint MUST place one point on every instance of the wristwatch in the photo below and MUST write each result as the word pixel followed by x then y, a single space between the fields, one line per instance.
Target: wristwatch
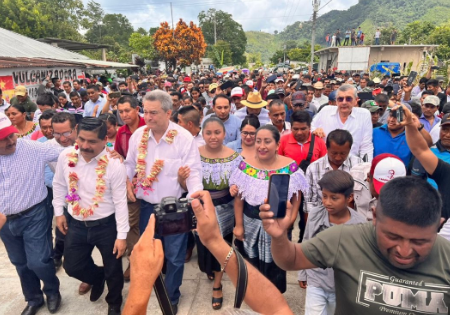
pixel 421 127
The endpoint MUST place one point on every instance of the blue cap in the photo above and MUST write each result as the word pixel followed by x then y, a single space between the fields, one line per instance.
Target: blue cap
pixel 332 96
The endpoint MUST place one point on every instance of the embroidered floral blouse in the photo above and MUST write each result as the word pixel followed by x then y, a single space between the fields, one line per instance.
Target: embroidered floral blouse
pixel 216 172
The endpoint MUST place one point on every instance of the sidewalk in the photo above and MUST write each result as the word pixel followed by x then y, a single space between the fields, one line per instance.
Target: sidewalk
pixel 196 292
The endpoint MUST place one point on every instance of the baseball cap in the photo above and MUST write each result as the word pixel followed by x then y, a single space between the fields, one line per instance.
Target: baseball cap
pixel 20 90
pixel 187 79
pixel 237 91
pixel 280 91
pixel 445 120
pixel 371 106
pixel 446 108
pixel 386 167
pixel 272 78
pixel 213 86
pixel 332 96
pixel 298 98
pixel 167 84
pixel 376 80
pixel 432 99
pixel 6 127
pixel 249 83
pixel 279 80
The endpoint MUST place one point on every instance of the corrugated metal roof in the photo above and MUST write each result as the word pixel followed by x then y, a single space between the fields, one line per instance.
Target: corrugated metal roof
pixel 7 62
pixel 15 45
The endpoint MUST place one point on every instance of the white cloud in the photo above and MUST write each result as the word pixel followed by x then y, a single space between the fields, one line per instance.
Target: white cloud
pixel 254 15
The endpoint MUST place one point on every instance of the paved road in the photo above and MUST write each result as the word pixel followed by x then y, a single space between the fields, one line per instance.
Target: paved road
pixel 196 292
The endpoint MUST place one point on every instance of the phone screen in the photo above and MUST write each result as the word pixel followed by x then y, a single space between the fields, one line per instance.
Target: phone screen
pixel 412 76
pixel 278 194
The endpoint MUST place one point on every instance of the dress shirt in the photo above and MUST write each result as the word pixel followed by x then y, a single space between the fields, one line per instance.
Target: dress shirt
pixel 114 198
pixel 22 175
pixel 416 91
pixel 123 137
pixel 426 123
pixel 359 124
pixel 48 172
pixel 323 99
pixel 263 116
pixel 199 139
pixel 182 151
pixel 286 128
pixel 297 151
pixel 89 107
pixel 232 127
pixel 384 143
pixel 316 170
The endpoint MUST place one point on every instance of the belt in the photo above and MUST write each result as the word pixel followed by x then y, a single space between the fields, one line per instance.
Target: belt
pixel 251 211
pixel 220 197
pixel 20 214
pixel 94 223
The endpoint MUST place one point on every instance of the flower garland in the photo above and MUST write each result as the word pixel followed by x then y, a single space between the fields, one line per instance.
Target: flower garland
pixel 145 182
pixel 73 198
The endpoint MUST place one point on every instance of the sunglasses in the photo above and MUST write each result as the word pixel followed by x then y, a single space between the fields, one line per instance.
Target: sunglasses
pixel 347 99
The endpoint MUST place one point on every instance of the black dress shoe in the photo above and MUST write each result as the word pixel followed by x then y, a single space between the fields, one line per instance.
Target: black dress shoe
pixel 53 303
pixel 31 310
pixel 113 310
pixel 57 262
pixel 97 290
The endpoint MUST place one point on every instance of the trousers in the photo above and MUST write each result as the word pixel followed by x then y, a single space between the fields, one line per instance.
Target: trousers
pixel 78 263
pixel 28 242
pixel 133 217
pixel 174 254
pixel 319 302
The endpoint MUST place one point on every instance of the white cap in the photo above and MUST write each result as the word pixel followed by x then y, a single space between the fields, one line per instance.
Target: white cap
pixel 249 83
pixel 386 167
pixel 279 79
pixel 237 91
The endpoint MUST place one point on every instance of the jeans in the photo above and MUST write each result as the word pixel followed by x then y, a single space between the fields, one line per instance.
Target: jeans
pixel 346 41
pixel 174 253
pixel 79 243
pixel 377 41
pixel 28 241
pixel 319 302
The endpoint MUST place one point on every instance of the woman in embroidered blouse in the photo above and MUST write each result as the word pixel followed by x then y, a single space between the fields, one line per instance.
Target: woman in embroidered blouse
pixel 252 181
pixel 18 117
pixel 246 144
pixel 218 162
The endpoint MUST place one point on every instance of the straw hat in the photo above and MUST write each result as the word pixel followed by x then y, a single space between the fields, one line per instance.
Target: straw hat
pixel 254 100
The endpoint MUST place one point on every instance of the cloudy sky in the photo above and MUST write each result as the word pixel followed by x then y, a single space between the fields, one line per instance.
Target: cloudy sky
pixel 254 15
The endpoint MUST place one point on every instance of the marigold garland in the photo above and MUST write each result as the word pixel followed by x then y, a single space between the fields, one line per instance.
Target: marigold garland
pixel 142 181
pixel 73 198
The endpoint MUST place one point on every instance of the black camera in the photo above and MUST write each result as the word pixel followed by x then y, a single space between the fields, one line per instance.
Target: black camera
pixel 174 216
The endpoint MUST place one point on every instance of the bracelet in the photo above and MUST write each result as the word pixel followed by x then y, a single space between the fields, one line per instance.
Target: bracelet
pixel 222 269
pixel 421 127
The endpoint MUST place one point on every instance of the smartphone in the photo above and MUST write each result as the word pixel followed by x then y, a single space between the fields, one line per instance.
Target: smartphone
pixel 398 113
pixel 115 95
pixel 278 194
pixel 411 78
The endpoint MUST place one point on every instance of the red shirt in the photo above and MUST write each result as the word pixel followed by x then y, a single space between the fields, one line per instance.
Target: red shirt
pixel 123 137
pixel 289 147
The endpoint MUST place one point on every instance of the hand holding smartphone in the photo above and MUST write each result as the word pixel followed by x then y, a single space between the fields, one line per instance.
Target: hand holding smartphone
pixel 278 194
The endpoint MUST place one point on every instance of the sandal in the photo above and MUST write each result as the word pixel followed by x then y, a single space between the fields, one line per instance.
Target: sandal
pixel 211 277
pixel 217 300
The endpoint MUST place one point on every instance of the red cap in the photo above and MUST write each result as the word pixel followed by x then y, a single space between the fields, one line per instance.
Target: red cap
pixel 6 128
pixel 187 79
pixel 386 167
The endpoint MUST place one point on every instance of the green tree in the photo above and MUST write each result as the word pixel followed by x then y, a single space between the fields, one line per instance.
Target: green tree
pixel 290 44
pixel 93 14
pixel 385 38
pixel 254 58
pixel 417 33
pixel 298 54
pixel 221 54
pixel 441 36
pixel 141 31
pixel 116 26
pixel 142 45
pixel 227 30
pixel 277 57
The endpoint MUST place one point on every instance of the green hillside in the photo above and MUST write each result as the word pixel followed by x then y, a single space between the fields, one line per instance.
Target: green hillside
pixel 368 14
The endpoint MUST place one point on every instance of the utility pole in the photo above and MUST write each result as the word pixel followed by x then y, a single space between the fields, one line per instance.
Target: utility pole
pixel 316 4
pixel 215 27
pixel 284 50
pixel 171 13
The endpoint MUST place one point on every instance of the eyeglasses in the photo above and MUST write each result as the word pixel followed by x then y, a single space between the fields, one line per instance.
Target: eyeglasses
pixel 246 133
pixel 347 99
pixel 65 134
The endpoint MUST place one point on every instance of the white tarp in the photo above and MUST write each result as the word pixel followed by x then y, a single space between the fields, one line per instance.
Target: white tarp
pixel 353 58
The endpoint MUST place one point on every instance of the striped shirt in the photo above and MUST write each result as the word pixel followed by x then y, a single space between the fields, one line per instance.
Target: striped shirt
pixel 22 175
pixel 316 170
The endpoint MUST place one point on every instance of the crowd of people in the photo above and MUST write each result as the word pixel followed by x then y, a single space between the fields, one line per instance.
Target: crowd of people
pixel 356 37
pixel 367 159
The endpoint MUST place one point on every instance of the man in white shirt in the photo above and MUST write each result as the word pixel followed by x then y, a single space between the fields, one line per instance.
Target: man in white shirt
pixel 163 142
pixel 277 114
pixel 254 105
pixel 189 119
pixel 93 92
pixel 94 186
pixel 67 86
pixel 346 115
pixel 318 96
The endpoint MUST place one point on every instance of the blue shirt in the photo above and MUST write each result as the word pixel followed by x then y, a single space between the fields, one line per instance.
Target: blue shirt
pixel 89 107
pixel 426 124
pixel 48 180
pixel 232 127
pixel 235 145
pixel 384 143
